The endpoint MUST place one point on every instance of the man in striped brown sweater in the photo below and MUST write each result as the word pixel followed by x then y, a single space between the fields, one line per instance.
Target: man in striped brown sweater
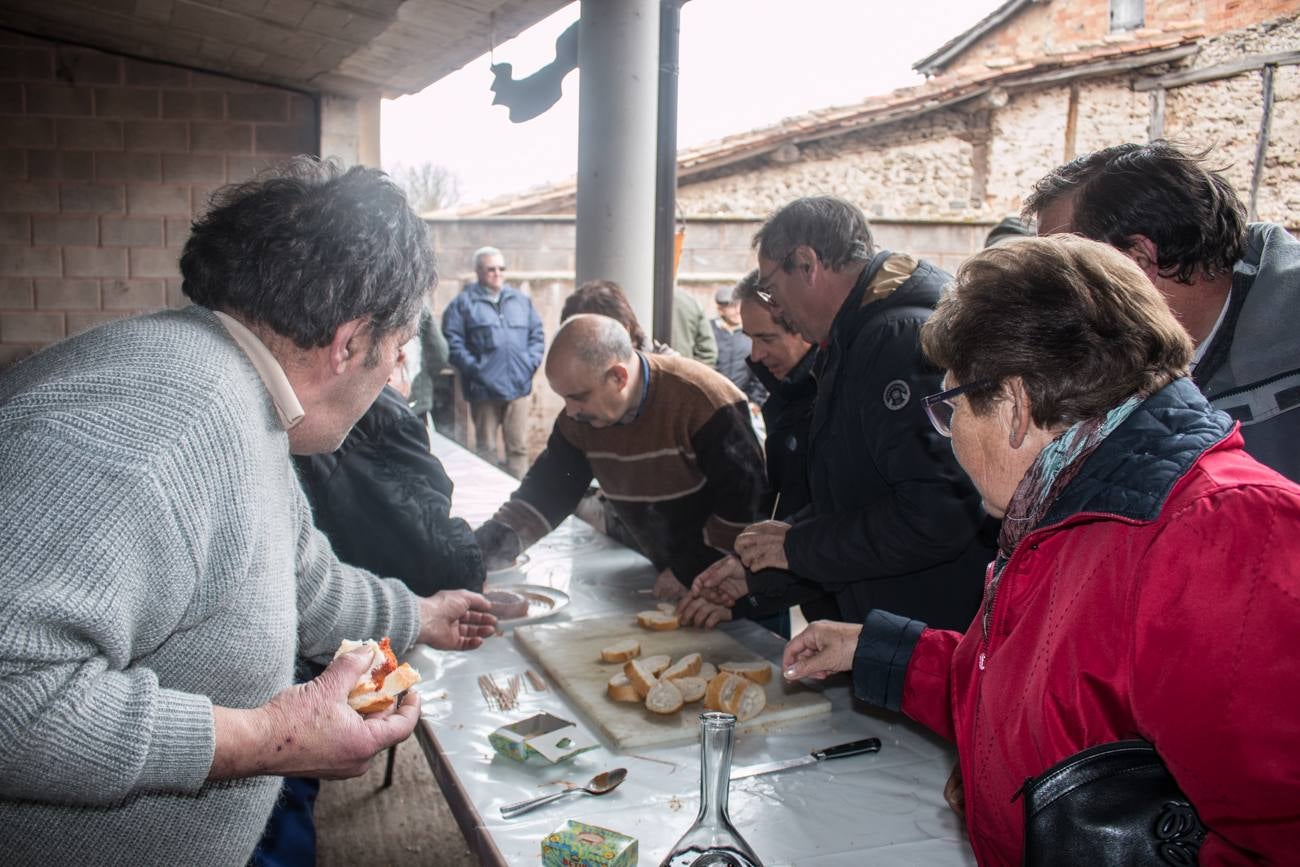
pixel 668 439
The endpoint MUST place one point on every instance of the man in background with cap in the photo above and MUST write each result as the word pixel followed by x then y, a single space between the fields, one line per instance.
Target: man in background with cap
pixel 734 346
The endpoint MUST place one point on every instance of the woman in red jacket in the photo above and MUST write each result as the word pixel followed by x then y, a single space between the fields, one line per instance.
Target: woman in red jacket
pixel 1147 583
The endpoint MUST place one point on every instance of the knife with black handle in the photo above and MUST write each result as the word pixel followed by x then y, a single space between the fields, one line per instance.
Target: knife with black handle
pixel 854 748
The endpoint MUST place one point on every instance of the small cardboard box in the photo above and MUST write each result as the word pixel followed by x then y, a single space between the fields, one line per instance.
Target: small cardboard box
pixel 550 737
pixel 577 844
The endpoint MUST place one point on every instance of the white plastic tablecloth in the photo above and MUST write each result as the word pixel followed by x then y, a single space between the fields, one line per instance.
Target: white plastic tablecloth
pixel 882 809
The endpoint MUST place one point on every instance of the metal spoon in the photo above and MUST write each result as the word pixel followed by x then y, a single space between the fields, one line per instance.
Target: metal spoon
pixel 601 784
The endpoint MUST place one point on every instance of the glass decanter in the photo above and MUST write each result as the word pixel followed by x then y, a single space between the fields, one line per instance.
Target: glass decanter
pixel 713 841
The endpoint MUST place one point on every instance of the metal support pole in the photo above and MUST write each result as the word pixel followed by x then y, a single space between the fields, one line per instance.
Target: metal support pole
pixel 666 170
pixel 1261 144
pixel 618 58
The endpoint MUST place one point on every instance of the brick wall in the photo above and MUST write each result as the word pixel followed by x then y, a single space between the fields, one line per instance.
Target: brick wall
pixel 104 161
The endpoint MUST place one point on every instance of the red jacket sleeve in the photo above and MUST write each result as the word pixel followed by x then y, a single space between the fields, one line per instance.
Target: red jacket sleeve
pixel 927 688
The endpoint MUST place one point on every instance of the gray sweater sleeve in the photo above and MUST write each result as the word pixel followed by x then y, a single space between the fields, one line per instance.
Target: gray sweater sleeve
pixel 82 722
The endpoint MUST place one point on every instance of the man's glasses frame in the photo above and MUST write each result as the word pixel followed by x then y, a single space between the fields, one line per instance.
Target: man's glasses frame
pixel 764 289
pixel 939 407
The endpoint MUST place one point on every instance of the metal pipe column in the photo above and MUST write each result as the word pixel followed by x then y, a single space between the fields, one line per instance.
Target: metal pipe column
pixel 618 55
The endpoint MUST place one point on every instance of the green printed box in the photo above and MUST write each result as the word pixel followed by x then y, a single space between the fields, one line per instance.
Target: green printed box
pixel 577 844
pixel 543 734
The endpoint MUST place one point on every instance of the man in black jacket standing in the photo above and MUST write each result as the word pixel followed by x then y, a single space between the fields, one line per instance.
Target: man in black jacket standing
pixel 894 523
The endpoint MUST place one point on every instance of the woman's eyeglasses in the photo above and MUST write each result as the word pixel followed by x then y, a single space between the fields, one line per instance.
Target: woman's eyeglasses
pixel 939 407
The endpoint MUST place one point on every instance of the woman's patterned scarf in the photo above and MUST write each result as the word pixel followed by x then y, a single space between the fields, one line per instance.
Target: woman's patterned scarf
pixel 1052 471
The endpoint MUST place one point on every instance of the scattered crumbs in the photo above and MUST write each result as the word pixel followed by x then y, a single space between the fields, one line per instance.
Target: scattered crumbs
pixel 674 804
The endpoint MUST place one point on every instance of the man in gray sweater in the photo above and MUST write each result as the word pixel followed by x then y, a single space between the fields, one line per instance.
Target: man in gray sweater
pixel 159 570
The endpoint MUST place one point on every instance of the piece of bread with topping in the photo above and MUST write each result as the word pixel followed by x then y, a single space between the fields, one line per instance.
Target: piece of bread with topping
pixel 384 679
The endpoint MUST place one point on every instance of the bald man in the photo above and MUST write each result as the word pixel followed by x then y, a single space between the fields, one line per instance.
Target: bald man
pixel 667 438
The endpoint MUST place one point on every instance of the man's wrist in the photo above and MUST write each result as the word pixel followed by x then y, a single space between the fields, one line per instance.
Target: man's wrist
pixel 241 736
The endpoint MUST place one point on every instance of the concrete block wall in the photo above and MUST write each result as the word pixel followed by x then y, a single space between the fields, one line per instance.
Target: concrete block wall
pixel 104 162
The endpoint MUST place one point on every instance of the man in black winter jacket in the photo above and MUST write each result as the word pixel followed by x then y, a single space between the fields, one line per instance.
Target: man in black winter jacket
pixel 384 502
pixel 894 523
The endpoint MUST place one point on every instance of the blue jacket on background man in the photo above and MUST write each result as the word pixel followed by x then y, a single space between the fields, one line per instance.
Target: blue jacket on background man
pixel 496 344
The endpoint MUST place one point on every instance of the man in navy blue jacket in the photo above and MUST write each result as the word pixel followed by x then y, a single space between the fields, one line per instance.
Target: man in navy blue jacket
pixel 496 343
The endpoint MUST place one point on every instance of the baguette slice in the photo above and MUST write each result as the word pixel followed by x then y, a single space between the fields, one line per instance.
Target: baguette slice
pixel 667 607
pixel 621 651
pixel 693 688
pixel 708 671
pixel 713 694
pixel 657 663
pixel 687 666
pixel 664 697
pixel 621 689
pixel 641 677
pixel 744 699
pixel 657 620
pixel 757 671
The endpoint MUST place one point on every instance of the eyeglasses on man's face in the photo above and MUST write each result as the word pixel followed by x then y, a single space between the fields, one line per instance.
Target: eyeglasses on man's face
pixel 495 269
pixel 764 290
pixel 939 407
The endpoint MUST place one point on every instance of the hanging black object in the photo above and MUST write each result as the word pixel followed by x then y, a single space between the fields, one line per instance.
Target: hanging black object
pixel 1113 805
pixel 528 97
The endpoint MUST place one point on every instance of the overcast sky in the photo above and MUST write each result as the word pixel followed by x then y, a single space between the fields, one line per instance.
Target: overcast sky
pixel 744 64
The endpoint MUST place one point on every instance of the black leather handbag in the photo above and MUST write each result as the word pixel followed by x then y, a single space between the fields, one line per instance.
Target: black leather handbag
pixel 1114 805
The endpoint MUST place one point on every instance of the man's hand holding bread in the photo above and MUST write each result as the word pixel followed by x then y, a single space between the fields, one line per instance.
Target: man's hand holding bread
pixel 310 729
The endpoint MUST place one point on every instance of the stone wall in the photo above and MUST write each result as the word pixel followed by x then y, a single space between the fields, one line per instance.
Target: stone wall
pixel 1069 25
pixel 104 161
pixel 977 161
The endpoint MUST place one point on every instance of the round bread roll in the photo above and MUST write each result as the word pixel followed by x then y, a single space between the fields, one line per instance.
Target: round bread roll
pixel 641 677
pixel 693 688
pixel 687 666
pixel 621 651
pixel 621 689
pixel 657 663
pixel 757 671
pixel 657 620
pixel 664 697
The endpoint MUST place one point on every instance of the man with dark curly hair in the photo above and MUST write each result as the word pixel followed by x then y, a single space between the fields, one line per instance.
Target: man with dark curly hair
pixel 161 570
pixel 1234 286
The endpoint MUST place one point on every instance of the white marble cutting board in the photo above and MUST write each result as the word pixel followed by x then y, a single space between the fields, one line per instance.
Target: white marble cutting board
pixel 569 653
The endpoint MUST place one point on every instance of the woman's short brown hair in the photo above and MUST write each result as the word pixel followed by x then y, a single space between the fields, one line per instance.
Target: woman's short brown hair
pixel 606 298
pixel 1076 320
